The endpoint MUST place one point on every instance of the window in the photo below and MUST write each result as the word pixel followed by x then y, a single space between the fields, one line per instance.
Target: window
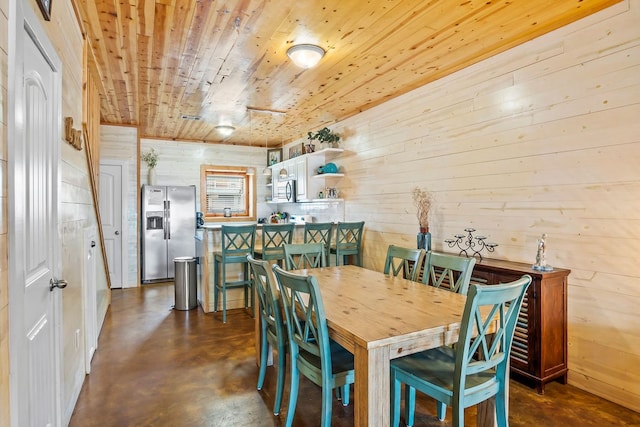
pixel 227 188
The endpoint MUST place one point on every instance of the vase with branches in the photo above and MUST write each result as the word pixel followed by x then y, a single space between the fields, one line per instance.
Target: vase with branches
pixel 422 202
pixel 151 159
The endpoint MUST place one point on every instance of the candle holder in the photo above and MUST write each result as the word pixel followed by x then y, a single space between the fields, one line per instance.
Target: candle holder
pixel 470 245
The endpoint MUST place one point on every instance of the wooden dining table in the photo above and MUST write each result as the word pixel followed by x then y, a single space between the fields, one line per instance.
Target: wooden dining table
pixel 378 318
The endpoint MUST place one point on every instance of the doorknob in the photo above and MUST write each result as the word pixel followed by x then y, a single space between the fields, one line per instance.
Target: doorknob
pixel 57 283
pixel 117 233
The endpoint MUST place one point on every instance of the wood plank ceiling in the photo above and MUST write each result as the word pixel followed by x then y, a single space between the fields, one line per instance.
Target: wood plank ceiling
pixel 226 62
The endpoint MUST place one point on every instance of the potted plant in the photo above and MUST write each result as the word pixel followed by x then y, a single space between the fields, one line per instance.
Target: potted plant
pixel 151 159
pixel 323 136
pixel 422 202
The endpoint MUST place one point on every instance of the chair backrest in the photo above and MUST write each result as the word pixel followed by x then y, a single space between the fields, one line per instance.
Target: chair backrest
pixel 489 350
pixel 274 237
pixel 238 240
pixel 304 255
pixel 349 237
pixel 305 316
pixel 448 271
pixel 319 232
pixel 267 296
pixel 403 260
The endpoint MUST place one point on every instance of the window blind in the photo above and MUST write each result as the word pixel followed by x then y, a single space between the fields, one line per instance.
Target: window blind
pixel 226 191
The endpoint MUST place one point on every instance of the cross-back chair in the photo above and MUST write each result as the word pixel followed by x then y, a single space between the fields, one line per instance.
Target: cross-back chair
pixel 272 326
pixel 447 271
pixel 348 242
pixel 319 232
pixel 313 354
pixel 274 237
pixel 476 368
pixel 405 261
pixel 237 243
pixel 304 255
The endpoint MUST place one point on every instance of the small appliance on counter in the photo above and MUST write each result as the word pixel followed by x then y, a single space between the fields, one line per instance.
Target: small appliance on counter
pixel 301 219
pixel 199 219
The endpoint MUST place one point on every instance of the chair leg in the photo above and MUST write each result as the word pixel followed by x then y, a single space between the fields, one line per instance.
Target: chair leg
pixel 345 395
pixel 264 349
pixel 245 276
pixel 224 293
pixel 293 394
pixel 409 404
pixel 215 285
pixel 327 401
pixel 253 295
pixel 280 382
pixel 501 408
pixel 442 411
pixel 395 401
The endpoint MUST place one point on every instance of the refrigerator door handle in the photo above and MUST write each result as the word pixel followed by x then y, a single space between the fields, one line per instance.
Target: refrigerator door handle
pixel 168 220
pixel 164 220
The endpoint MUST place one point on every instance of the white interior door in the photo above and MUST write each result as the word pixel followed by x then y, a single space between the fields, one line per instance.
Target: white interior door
pixel 111 214
pixel 35 300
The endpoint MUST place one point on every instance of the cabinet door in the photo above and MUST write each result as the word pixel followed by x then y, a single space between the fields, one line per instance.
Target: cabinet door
pixel 300 164
pixel 275 175
pixel 524 342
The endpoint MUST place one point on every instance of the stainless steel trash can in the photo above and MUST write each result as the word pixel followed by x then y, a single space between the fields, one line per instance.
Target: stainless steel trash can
pixel 185 283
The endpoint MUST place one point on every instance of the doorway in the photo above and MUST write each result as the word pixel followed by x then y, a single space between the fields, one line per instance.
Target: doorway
pixel 113 214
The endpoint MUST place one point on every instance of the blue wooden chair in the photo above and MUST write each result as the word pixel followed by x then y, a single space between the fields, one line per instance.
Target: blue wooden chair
pixel 273 329
pixel 447 271
pixel 348 241
pixel 405 261
pixel 304 255
pixel 319 232
pixel 472 371
pixel 313 354
pixel 274 237
pixel 237 243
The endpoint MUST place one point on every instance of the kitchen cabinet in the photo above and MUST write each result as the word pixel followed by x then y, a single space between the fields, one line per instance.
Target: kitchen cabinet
pixel 539 349
pixel 300 167
pixel 319 182
pixel 304 170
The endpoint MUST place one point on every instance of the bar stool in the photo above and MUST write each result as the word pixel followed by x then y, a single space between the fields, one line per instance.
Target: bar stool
pixel 348 241
pixel 319 232
pixel 237 243
pixel 274 237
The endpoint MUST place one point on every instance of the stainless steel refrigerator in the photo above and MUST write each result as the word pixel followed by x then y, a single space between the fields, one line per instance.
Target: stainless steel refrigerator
pixel 168 223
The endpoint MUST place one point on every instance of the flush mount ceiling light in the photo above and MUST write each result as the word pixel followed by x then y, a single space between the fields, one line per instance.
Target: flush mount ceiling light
pixel 305 55
pixel 225 130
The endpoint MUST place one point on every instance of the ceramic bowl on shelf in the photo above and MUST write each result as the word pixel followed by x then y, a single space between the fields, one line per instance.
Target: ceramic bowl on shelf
pixel 330 168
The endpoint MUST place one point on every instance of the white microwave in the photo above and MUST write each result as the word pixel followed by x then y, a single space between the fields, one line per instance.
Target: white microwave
pixel 286 190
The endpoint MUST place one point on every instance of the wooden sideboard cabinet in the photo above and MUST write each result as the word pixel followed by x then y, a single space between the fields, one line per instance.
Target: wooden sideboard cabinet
pixel 539 349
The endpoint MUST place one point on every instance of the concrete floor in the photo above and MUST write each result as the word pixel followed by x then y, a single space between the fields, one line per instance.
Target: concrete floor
pixel 159 367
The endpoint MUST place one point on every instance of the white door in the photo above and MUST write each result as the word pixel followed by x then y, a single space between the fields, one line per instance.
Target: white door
pixel 35 291
pixel 111 210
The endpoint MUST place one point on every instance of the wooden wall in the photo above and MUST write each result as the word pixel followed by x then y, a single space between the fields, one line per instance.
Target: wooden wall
pixel 544 138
